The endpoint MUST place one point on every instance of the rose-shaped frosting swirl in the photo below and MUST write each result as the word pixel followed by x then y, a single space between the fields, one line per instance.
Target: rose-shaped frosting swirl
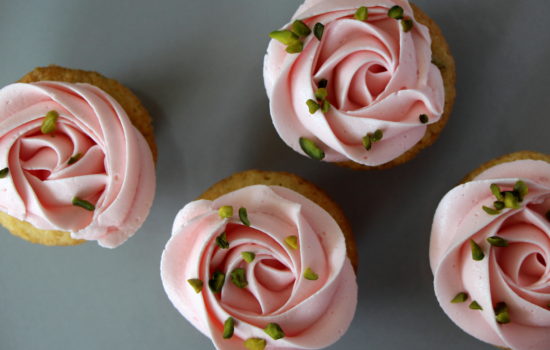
pixel 517 274
pixel 111 166
pixel 379 78
pixel 312 313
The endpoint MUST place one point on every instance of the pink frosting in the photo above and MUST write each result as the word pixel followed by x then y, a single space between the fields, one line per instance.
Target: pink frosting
pixel 115 173
pixel 518 275
pixel 313 314
pixel 379 77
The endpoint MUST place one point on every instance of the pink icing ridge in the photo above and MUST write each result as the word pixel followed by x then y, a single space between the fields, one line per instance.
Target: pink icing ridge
pixel 116 171
pixel 379 78
pixel 313 314
pixel 518 275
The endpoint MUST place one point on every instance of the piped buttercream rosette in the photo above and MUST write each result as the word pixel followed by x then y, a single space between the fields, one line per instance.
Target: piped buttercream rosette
pixel 490 254
pixel 260 266
pixel 363 70
pixel 73 161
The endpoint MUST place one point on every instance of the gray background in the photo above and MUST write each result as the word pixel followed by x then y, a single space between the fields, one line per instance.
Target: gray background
pixel 197 66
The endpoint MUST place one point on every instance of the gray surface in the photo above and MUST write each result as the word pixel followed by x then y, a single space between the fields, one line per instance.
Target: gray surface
pixel 197 66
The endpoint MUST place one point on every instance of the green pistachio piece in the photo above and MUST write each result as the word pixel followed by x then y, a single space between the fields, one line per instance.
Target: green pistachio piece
pixel 4 172
pixel 300 28
pixel 221 241
pixel 312 106
pixel 248 256
pixel 296 47
pixel 310 275
pixel 499 205
pixel 378 135
pixel 49 122
pixel 228 328
pixel 318 30
pixel 196 284
pixel 323 83
pixel 497 241
pixel 367 141
pixel 362 13
pixel 255 344
pixel 225 212
pixel 490 211
pixel 424 118
pixel 238 277
pixel 74 158
pixel 475 306
pixel 326 106
pixel 292 242
pixel 243 215
pixel 216 282
pixel 285 37
pixel 396 12
pixel 521 189
pixel 510 200
pixel 407 24
pixel 496 192
pixel 311 149
pixel 321 94
pixel 83 204
pixel 502 314
pixel 274 331
pixel 460 298
pixel 477 252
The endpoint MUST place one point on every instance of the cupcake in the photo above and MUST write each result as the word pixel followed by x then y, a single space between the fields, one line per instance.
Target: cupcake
pixel 365 84
pixel 76 158
pixel 260 260
pixel 490 252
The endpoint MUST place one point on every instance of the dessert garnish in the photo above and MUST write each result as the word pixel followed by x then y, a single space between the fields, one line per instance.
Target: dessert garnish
pixel 407 24
pixel 460 298
pixel 507 199
pixel 311 149
pixel 292 242
pixel 396 12
pixel 196 284
pixel 475 306
pixel 274 331
pixel 300 28
pixel 371 138
pixel 310 275
pixel 4 172
pixel 313 106
pixel 221 241
pixel 243 215
pixel 255 344
pixel 501 313
pixel 238 278
pixel 48 124
pixel 362 13
pixel 217 281
pixel 423 118
pixel 226 211
pixel 83 204
pixel 477 252
pixel 248 256
pixel 74 158
pixel 228 328
pixel 497 241
pixel 318 30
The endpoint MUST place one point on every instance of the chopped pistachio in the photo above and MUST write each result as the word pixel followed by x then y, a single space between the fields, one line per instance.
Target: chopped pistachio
pixel 521 188
pixel 300 28
pixel 510 200
pixel 221 241
pixel 285 37
pixel 196 284
pixel 326 106
pixel 377 136
pixel 238 277
pixel 83 204
pixel 310 275
pixel 274 331
pixel 311 149
pixel 499 205
pixel 255 344
pixel 460 298
pixel 248 256
pixel 292 242
pixel 225 212
pixel 475 306
pixel 312 106
pixel 49 122
pixel 490 211
pixel 4 172
pixel 228 328
pixel 396 12
pixel 367 141
pixel 496 192
pixel 323 83
pixel 502 314
pixel 74 158
pixel 407 24
pixel 243 215
pixel 216 282
pixel 424 118
pixel 321 94
pixel 497 241
pixel 477 252
pixel 362 13
pixel 296 47
pixel 547 215
pixel 318 30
